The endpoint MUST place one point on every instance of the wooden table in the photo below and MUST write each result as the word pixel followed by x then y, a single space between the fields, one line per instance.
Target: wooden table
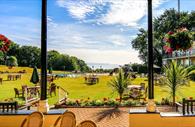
pixel 91 80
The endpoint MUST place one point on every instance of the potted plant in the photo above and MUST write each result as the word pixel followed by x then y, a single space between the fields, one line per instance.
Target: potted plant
pixel 180 39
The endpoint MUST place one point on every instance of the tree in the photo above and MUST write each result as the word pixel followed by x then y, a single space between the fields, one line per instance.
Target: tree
pixel 83 66
pixel 14 50
pixel 29 56
pixel 52 58
pixel 169 20
pixel 119 84
pixel 11 61
pixel 176 76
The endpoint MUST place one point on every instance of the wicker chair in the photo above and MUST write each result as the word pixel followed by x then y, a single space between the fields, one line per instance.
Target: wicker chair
pixel 35 119
pixel 18 93
pixel 68 119
pixel 52 89
pixel 87 123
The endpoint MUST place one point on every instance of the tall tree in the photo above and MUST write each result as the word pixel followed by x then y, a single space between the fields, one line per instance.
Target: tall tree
pixel 168 21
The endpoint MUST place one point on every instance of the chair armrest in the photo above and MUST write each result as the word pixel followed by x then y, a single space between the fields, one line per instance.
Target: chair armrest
pixel 178 104
pixel 56 123
pixel 23 122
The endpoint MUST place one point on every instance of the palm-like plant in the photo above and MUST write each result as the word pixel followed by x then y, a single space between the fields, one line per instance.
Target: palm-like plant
pixel 119 83
pixel 175 77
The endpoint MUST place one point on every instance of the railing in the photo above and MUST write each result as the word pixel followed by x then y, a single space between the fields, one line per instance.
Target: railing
pixel 62 94
pixel 188 107
pixel 180 54
pixel 8 106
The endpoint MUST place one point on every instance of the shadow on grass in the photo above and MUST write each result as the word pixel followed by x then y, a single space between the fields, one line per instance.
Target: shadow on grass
pixel 109 114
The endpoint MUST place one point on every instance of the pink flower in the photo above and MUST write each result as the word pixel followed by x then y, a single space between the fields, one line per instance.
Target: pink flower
pixel 167 40
pixel 168 49
pixel 165 47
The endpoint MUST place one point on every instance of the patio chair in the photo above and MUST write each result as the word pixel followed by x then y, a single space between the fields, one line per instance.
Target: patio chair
pixel 68 119
pixel 52 89
pixel 142 86
pixel 24 88
pixel 135 94
pixel 18 93
pixel 87 123
pixel 35 119
pixel 1 81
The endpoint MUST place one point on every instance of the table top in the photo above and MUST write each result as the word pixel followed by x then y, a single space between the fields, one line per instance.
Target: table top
pixel 27 112
pixel 134 86
pixel 33 87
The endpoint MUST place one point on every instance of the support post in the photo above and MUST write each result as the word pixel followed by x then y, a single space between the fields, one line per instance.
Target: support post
pixel 43 103
pixel 151 106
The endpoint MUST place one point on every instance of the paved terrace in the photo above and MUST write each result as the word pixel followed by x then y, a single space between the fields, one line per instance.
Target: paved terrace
pixel 107 117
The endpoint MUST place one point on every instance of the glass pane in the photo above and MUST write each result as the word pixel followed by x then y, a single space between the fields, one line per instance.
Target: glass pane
pixel 21 24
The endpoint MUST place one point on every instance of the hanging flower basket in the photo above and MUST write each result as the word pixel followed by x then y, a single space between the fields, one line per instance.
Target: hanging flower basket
pixel 181 39
pixel 4 43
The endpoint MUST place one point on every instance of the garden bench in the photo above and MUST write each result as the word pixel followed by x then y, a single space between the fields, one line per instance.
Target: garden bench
pixel 188 107
pixel 6 106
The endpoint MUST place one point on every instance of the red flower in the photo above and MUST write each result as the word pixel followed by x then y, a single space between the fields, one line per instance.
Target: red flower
pixel 168 49
pixel 191 98
pixel 170 33
pixel 165 47
pixel 2 37
pixel 5 43
pixel 5 48
pixel 117 99
pixel 77 101
pixel 167 40
pixel 105 99
pixel 1 49
pixel 177 47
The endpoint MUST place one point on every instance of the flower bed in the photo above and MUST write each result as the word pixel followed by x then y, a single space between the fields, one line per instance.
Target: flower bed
pixel 105 102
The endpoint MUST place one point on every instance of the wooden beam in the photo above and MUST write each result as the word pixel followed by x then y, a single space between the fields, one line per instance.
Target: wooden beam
pixel 44 51
pixel 150 52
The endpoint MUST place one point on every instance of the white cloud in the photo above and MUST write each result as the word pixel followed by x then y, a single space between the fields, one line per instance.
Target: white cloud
pixel 124 12
pixel 77 35
pixel 118 40
pixel 78 9
pixel 92 44
pixel 119 57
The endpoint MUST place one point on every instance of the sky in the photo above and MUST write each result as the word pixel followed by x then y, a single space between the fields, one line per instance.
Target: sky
pixel 97 31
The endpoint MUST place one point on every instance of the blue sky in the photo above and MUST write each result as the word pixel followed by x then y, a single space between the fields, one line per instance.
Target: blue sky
pixel 97 31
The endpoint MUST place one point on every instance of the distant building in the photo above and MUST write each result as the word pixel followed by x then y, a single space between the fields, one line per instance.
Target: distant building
pixel 185 58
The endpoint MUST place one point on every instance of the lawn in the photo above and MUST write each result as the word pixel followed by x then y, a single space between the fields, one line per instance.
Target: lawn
pixel 77 88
